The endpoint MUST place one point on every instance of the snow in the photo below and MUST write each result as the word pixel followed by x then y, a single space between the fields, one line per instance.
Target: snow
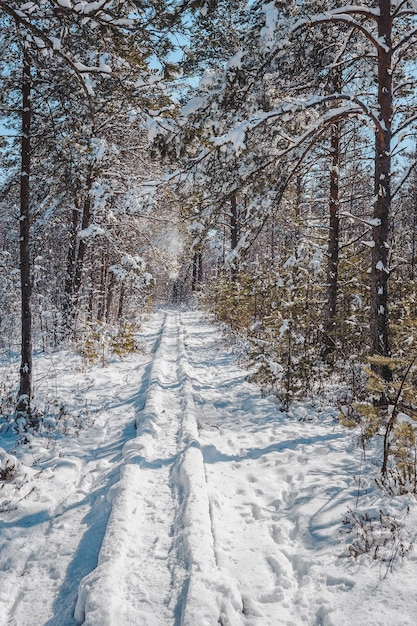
pixel 204 9
pixel 207 80
pixel 99 148
pixel 182 496
pixel 268 31
pixel 88 7
pixel 192 106
pixel 284 327
pixel 93 230
pixel 381 267
pixel 104 67
pixel 56 43
pixel 235 62
pixel 235 136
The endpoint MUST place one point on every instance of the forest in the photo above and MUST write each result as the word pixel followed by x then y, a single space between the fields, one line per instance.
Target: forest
pixel 258 158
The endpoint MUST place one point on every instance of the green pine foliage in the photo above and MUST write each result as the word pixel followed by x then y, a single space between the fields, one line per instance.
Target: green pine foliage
pixel 100 342
pixel 390 413
pixel 279 314
pixel 352 319
pixel 124 342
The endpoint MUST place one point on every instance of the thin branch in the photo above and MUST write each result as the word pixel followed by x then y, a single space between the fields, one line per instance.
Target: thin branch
pixel 406 176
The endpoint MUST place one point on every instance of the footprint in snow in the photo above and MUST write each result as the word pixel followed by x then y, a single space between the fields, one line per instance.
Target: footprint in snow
pixel 343 584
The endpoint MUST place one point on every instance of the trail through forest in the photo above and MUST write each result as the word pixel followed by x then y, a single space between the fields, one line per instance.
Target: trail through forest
pixel 185 498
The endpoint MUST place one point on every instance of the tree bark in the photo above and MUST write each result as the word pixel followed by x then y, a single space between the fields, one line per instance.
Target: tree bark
pixel 121 302
pixel 82 246
pixel 71 261
pixel 200 271
pixel 333 240
pixel 413 202
pixel 101 295
pixel 273 241
pixel 25 388
pixel 234 232
pixel 197 276
pixel 379 322
pixel 109 298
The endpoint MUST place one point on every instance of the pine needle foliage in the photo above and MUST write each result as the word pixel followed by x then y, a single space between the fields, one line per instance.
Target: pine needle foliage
pixel 390 412
pixel 279 314
pixel 124 341
pixel 102 341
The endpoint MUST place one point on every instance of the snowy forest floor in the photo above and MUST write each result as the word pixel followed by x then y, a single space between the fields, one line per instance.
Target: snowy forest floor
pixel 174 494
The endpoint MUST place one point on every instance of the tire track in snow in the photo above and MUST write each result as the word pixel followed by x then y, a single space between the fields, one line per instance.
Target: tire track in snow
pixel 43 557
pixel 157 565
pixel 211 596
pixel 210 503
pixel 137 580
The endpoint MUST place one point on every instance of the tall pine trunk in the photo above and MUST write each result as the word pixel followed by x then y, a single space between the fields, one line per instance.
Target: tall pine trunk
pixel 68 301
pixel 25 388
pixel 234 233
pixel 82 245
pixel 333 243
pixel 379 321
pixel 197 275
pixel 103 287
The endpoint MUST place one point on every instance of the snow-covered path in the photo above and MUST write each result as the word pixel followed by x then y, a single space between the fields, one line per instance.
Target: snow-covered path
pixel 53 537
pixel 257 465
pixel 191 500
pixel 133 580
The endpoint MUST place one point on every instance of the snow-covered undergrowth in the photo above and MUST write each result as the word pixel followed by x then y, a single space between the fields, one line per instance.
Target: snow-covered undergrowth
pixel 168 491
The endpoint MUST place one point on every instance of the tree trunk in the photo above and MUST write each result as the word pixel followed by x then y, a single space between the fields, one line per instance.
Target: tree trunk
pixel 101 305
pixel 234 232
pixel 109 298
pixel 273 242
pixel 379 325
pixel 200 274
pixel 82 246
pixel 333 240
pixel 413 232
pixel 121 302
pixel 194 279
pixel 71 260
pixel 25 388
pixel 197 277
